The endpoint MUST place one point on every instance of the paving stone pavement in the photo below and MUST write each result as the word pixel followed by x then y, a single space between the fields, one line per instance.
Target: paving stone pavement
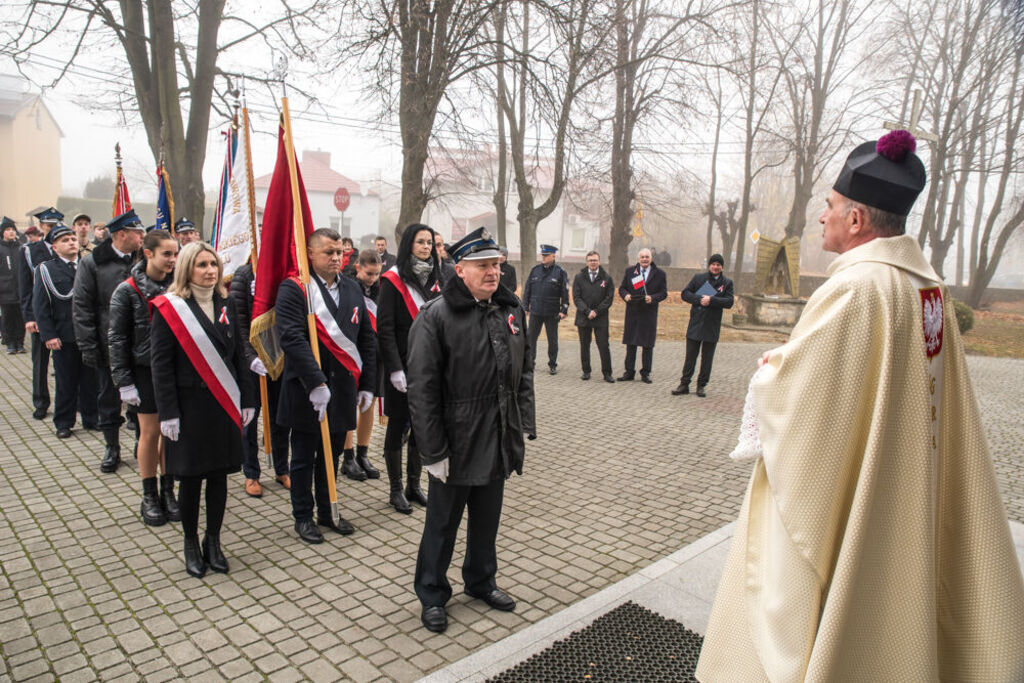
pixel 620 477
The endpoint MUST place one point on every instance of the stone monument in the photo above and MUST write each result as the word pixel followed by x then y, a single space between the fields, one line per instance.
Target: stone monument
pixel 776 300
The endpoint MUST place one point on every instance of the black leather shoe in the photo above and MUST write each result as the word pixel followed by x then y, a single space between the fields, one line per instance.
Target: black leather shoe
pixel 700 392
pixel 63 433
pixel 111 459
pixel 351 470
pixel 681 389
pixel 213 554
pixel 150 509
pixel 609 379
pixel 497 598
pixel 625 378
pixel 434 618
pixel 414 494
pixel 308 532
pixel 646 379
pixel 364 463
pixel 343 527
pixel 552 370
pixel 400 502
pixel 194 563
pixel 585 376
pixel 90 426
pixel 39 413
pixel 167 499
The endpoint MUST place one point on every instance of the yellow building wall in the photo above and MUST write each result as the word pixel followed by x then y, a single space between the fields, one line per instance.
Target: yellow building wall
pixel 30 172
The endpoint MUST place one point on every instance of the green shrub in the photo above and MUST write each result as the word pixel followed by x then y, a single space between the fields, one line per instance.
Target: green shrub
pixel 964 316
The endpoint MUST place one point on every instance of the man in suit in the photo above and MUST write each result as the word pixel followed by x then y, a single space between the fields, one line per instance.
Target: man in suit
pixel 51 302
pixel 593 291
pixel 387 259
pixel 508 271
pixel 708 294
pixel 309 393
pixel 29 258
pixel 642 287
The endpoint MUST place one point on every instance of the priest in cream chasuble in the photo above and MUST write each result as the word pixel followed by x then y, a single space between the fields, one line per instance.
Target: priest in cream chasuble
pixel 872 544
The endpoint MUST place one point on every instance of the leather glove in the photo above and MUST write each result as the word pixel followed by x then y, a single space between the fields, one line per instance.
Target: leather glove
pixel 171 428
pixel 398 380
pixel 247 415
pixel 439 470
pixel 320 397
pixel 257 366
pixel 130 395
pixel 365 400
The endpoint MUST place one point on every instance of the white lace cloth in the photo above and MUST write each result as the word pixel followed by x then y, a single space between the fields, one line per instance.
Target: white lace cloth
pixel 748 447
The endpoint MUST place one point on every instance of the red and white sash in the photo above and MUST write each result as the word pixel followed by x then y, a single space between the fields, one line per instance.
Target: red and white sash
pixel 371 310
pixel 413 299
pixel 329 332
pixel 204 356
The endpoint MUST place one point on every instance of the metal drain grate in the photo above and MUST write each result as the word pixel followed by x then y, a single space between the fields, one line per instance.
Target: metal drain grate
pixel 629 643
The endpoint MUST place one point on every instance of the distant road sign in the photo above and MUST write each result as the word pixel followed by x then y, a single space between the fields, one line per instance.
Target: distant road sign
pixel 341 199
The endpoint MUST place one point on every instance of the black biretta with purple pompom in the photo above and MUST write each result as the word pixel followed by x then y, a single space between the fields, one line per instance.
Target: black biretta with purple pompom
pixel 886 174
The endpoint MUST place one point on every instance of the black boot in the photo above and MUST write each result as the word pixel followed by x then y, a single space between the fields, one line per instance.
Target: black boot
pixel 167 499
pixel 194 563
pixel 413 468
pixel 112 456
pixel 349 467
pixel 364 462
pixel 152 513
pixel 213 555
pixel 393 460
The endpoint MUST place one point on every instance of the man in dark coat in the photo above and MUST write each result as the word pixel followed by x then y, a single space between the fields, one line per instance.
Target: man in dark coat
pixel 642 287
pixel 471 402
pixel 708 293
pixel 241 294
pixel 546 299
pixel 443 259
pixel 98 276
pixel 310 390
pixel 29 258
pixel 51 303
pixel 387 259
pixel 593 291
pixel 508 272
pixel 10 308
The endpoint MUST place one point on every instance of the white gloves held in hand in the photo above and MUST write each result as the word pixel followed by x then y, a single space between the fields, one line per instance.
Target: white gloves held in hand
pixel 320 397
pixel 365 400
pixel 130 395
pixel 439 470
pixel 398 380
pixel 257 366
pixel 247 415
pixel 170 428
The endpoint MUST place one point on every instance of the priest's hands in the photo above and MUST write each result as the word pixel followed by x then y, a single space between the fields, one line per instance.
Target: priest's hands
pixel 365 401
pixel 439 470
pixel 247 415
pixel 258 367
pixel 320 397
pixel 705 300
pixel 130 395
pixel 398 381
pixel 170 428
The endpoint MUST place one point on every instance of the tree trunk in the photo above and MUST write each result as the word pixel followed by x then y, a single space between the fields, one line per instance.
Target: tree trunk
pixel 622 134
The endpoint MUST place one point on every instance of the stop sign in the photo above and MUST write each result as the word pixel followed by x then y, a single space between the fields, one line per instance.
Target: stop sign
pixel 341 199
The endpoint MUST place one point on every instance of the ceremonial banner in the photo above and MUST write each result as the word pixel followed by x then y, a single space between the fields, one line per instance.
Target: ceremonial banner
pixel 277 257
pixel 232 232
pixel 122 202
pixel 164 200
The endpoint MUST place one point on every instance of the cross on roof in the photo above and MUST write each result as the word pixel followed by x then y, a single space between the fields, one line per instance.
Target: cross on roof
pixel 915 117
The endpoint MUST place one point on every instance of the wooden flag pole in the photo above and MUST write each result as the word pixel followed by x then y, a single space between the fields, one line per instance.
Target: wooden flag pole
pixel 303 263
pixel 253 258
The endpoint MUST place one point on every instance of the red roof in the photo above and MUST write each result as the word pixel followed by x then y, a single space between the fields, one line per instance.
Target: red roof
pixel 318 176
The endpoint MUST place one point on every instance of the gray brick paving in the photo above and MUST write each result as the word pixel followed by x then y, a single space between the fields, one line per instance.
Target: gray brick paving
pixel 620 477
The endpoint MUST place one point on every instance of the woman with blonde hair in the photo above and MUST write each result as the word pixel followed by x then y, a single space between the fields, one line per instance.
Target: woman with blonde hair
pixel 204 396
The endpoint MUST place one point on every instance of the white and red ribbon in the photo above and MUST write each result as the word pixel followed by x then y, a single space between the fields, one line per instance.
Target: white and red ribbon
pixel 329 332
pixel 371 310
pixel 204 356
pixel 413 299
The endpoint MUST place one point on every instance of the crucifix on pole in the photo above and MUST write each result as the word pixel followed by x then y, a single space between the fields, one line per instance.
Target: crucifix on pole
pixel 915 117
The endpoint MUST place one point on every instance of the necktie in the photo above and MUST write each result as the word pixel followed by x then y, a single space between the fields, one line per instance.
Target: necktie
pixel 591 276
pixel 127 259
pixel 72 264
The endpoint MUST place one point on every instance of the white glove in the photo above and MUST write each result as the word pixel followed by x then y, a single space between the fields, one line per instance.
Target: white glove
pixel 439 470
pixel 130 395
pixel 247 415
pixel 320 397
pixel 398 380
pixel 258 367
pixel 365 401
pixel 170 428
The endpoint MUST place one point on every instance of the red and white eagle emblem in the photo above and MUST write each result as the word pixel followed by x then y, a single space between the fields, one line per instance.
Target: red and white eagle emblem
pixel 932 320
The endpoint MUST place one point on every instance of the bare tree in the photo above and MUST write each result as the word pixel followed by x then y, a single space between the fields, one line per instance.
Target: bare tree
pixel 169 51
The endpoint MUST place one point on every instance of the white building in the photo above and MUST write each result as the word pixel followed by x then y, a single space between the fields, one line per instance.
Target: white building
pixel 360 220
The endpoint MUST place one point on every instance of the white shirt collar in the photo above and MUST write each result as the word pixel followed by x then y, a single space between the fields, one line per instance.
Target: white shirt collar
pixel 72 261
pixel 116 250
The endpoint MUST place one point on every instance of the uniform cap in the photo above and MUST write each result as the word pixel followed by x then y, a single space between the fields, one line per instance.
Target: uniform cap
pixel 548 249
pixel 57 232
pixel 126 221
pixel 184 225
pixel 50 215
pixel 475 246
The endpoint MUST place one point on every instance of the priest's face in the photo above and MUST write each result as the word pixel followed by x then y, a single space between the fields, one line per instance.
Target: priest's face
pixel 715 268
pixel 835 221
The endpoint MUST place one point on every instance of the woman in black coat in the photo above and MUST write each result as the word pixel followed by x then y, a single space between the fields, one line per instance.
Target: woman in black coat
pixel 128 340
pixel 414 280
pixel 203 430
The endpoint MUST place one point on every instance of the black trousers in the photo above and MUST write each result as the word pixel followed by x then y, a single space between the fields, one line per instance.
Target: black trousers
pixel 278 437
pixel 108 400
pixel 646 359
pixel 75 388
pixel 445 504
pixel 13 326
pixel 307 471
pixel 550 323
pixel 601 339
pixel 707 357
pixel 40 370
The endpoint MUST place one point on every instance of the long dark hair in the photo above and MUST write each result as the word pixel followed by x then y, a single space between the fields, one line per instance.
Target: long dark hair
pixel 404 256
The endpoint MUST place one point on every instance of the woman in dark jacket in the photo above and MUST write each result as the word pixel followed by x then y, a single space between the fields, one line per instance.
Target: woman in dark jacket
pixel 10 310
pixel 414 280
pixel 204 395
pixel 128 340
